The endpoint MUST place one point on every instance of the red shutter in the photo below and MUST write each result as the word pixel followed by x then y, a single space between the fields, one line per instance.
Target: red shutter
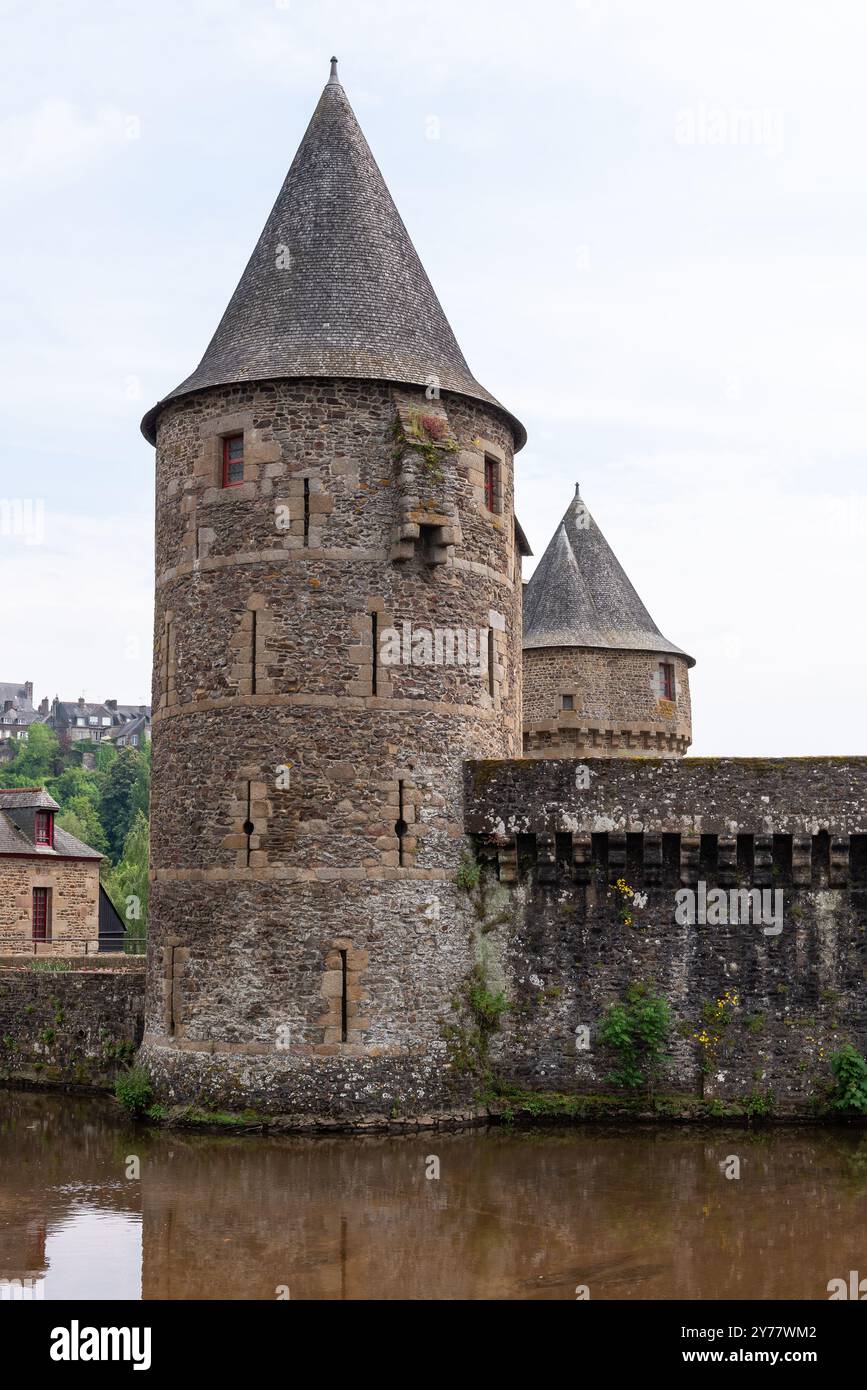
pixel 40 914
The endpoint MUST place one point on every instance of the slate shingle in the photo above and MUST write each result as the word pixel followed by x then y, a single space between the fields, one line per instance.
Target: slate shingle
pixel 352 300
pixel 579 595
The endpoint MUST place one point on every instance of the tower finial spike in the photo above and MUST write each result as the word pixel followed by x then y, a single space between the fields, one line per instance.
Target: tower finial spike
pixel 577 489
pixel 334 78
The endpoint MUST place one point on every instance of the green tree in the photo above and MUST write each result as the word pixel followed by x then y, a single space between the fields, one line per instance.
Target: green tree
pixel 74 781
pixel 141 792
pixel 80 817
pixel 127 882
pixel 116 806
pixel 36 758
pixel 105 754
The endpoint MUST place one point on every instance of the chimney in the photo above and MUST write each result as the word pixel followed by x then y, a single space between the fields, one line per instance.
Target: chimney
pixel 28 689
pixel 81 702
pixel 43 706
pixel 111 704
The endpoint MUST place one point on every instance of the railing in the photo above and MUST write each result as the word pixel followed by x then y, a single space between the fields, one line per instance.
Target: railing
pixel 130 944
pixel 42 948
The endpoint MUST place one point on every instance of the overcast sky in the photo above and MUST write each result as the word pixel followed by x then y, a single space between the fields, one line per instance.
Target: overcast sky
pixel 646 222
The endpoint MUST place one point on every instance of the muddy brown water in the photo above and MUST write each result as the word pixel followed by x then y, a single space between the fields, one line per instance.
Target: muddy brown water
pixel 514 1214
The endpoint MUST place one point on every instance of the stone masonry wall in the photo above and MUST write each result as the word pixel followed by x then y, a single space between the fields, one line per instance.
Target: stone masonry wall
pixel 619 710
pixel 73 1027
pixel 73 904
pixel 556 837
pixel 306 931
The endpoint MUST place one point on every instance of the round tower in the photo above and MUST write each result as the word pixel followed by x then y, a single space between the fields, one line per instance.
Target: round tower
pixel 600 680
pixel 338 625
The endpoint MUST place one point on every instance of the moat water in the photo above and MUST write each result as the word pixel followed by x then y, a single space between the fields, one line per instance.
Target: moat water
pixel 514 1214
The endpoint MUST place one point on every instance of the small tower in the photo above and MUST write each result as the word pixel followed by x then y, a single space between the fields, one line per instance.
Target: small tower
pixel 338 627
pixel 600 680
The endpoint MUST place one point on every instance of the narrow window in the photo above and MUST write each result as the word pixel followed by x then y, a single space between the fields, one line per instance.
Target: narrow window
pixel 43 830
pixel 374 655
pixel 490 483
pixel 344 997
pixel 253 655
pixel 40 915
pixel 491 662
pixel 248 827
pixel 167 660
pixel 666 679
pixel 568 701
pixel 233 460
pixel 400 825
pixel 170 1002
pixel 306 511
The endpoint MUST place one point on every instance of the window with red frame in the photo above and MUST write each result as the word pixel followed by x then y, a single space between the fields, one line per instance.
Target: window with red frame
pixel 666 680
pixel 490 483
pixel 40 914
pixel 43 830
pixel 233 460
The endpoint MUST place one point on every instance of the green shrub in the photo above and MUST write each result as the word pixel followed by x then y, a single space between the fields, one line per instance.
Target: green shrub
pixel 637 1029
pixel 850 1078
pixel 468 874
pixel 134 1091
pixel 758 1106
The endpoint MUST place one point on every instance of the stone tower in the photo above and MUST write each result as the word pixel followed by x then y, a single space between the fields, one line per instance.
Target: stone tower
pixel 338 626
pixel 600 680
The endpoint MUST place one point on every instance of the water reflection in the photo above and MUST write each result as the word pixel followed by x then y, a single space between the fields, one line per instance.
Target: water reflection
pixel 514 1215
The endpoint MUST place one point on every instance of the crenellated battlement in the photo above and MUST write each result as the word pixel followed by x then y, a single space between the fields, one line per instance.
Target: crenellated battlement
pixel 666 860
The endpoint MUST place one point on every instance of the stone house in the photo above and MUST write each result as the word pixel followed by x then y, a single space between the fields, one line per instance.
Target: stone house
pixel 49 881
pixel 84 721
pixel 16 714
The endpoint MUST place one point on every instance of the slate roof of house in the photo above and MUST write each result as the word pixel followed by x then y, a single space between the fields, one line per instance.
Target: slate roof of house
pixel 70 709
pixel 27 799
pixel 15 840
pixel 352 298
pixel 22 716
pixel 14 690
pixel 126 730
pixel 133 711
pixel 579 595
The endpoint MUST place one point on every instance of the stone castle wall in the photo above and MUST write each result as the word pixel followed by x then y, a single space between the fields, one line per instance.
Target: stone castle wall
pixel 619 710
pixel 306 929
pixel 77 1027
pixel 556 837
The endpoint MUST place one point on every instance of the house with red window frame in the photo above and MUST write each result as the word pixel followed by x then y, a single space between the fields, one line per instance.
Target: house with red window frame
pixel 49 881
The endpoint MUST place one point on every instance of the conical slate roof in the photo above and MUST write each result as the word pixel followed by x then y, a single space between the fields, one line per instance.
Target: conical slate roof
pixel 350 297
pixel 579 595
